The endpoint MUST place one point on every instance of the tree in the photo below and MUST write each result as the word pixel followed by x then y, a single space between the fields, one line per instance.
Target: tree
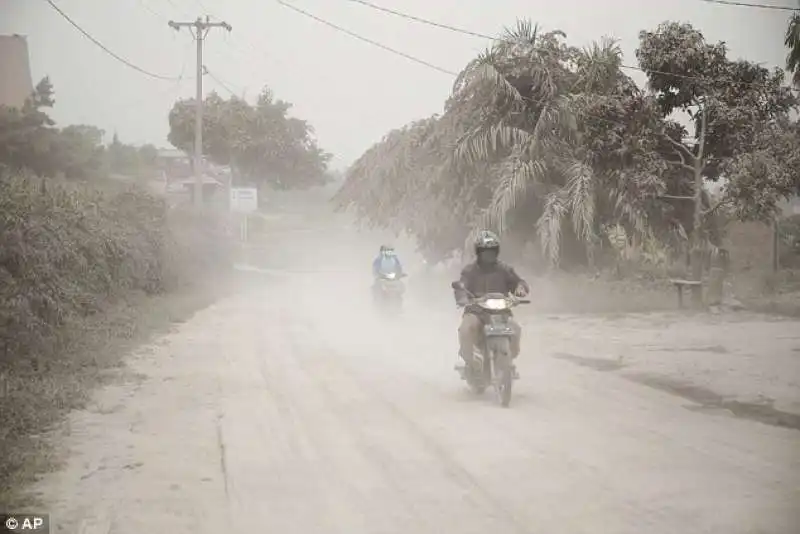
pixel 148 155
pixel 537 140
pixel 30 141
pixel 81 153
pixel 27 134
pixel 124 159
pixel 546 142
pixel 567 123
pixel 792 42
pixel 733 105
pixel 759 178
pixel 260 142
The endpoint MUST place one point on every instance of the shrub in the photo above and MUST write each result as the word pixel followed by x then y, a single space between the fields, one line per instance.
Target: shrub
pixel 67 252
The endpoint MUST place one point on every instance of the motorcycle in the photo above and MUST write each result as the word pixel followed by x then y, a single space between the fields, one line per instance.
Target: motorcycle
pixel 388 292
pixel 492 361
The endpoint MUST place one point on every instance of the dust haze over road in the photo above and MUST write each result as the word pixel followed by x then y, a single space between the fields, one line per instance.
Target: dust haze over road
pixel 291 408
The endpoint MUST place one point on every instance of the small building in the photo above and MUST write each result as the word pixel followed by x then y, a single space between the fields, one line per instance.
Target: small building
pixel 178 178
pixel 173 165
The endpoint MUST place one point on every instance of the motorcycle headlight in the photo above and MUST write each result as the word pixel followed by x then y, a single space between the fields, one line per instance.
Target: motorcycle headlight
pixel 495 304
pixel 391 276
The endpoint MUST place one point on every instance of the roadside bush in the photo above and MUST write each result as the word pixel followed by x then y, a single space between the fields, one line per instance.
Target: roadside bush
pixel 67 250
pixel 69 254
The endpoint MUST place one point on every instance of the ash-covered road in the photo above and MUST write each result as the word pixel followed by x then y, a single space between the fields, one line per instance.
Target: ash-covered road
pixel 291 408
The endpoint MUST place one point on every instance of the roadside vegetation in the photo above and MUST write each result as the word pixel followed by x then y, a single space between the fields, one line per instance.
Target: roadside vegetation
pixel 558 149
pixel 92 262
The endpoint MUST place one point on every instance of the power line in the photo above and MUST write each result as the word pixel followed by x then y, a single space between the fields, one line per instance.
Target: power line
pixel 220 82
pixel 485 36
pixel 173 89
pixel 206 71
pixel 201 5
pixel 106 50
pixel 148 8
pixel 452 28
pixel 747 4
pixel 424 21
pixel 367 40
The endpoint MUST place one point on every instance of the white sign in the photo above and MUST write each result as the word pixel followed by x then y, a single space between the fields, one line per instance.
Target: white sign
pixel 244 199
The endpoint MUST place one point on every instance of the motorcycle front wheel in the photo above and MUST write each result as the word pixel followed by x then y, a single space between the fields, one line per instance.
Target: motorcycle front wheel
pixel 502 378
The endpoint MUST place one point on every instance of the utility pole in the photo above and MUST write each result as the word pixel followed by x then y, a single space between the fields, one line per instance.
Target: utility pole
pixel 199 29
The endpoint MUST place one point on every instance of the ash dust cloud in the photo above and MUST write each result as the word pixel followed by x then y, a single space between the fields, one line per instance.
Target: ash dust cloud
pixel 189 336
pixel 321 260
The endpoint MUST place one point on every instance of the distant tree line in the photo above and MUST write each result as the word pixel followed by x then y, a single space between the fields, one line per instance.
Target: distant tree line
pixel 30 140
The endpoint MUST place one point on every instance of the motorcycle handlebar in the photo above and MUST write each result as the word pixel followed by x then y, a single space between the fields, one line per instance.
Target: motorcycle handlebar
pixel 458 286
pixel 512 298
pixel 384 277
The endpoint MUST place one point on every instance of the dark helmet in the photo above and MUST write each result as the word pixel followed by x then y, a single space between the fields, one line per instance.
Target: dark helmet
pixel 487 240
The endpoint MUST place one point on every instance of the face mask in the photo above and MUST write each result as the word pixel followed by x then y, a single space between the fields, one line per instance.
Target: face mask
pixel 487 257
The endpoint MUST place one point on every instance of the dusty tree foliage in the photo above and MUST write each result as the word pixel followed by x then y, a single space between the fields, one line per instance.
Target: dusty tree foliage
pixel 30 141
pixel 260 141
pixel 792 43
pixel 552 144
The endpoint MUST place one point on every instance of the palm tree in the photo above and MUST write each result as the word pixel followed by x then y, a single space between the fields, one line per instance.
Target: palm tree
pixel 539 90
pixel 523 147
pixel 792 42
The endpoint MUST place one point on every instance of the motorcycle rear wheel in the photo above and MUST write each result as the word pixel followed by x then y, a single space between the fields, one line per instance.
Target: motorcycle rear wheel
pixel 475 380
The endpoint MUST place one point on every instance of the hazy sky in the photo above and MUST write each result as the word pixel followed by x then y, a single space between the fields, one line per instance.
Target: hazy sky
pixel 350 91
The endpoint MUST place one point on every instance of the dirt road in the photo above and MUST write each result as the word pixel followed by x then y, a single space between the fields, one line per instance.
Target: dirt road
pixel 291 408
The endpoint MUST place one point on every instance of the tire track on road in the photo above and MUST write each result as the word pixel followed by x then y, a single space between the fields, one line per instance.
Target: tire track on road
pixel 631 511
pixel 328 367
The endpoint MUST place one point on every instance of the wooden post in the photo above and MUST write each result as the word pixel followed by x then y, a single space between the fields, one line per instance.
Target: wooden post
pixel 776 244
pixel 697 276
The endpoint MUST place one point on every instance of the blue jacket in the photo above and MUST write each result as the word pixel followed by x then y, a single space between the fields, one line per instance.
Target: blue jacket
pixel 395 266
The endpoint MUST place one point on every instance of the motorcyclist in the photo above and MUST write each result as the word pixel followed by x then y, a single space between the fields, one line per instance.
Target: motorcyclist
pixel 387 262
pixel 486 275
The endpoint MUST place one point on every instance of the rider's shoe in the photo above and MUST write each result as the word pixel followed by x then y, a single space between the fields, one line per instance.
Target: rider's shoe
pixel 460 365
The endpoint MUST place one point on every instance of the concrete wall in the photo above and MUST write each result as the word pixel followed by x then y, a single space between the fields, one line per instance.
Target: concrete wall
pixel 16 84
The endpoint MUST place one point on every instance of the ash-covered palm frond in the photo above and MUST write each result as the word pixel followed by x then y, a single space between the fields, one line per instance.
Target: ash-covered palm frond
pixel 485 143
pixel 483 79
pixel 515 178
pixel 549 225
pixel 598 69
pixel 792 42
pixel 580 192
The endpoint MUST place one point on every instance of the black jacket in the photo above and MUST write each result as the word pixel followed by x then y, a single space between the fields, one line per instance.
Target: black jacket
pixel 497 278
